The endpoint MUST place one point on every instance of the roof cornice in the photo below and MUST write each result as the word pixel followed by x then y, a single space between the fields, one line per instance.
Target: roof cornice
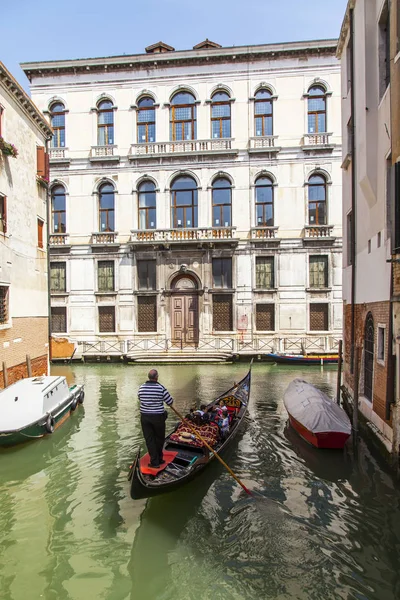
pixel 12 87
pixel 181 57
pixel 345 28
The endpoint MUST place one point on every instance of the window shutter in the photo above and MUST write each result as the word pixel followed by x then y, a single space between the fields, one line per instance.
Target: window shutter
pixel 47 166
pixel 3 214
pixel 41 161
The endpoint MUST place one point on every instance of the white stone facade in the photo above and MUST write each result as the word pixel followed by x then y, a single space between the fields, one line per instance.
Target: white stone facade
pixel 23 223
pixel 288 154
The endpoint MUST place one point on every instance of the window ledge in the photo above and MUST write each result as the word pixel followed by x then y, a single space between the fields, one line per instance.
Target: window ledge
pixel 318 331
pixel 111 293
pixel 217 332
pixel 323 290
pixel 57 294
pixel 266 290
pixel 222 291
pixel 145 292
pixel 106 334
pixel 5 326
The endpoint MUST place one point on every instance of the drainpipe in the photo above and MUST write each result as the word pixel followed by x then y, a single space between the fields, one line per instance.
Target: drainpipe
pixel 353 194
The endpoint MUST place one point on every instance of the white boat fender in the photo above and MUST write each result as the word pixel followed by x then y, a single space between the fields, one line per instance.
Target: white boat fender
pixel 81 397
pixel 74 404
pixel 49 425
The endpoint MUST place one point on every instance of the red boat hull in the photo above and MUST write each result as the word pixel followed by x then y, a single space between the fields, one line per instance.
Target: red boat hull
pixel 330 439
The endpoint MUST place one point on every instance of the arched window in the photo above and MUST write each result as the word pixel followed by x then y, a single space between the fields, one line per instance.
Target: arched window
pixel 58 209
pixel 317 200
pixel 105 123
pixel 263 124
pixel 220 115
pixel 106 207
pixel 183 117
pixel 184 202
pixel 222 203
pixel 369 356
pixel 264 202
pixel 146 121
pixel 57 119
pixel 316 109
pixel 147 205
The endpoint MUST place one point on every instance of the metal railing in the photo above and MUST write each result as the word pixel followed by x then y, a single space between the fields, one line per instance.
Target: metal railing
pixel 183 234
pixel 184 147
pixel 104 347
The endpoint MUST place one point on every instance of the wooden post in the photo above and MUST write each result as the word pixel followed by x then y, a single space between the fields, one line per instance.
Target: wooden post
pixel 5 375
pixel 355 392
pixel 29 365
pixel 339 373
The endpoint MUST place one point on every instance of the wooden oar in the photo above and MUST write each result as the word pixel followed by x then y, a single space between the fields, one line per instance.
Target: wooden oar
pixel 197 434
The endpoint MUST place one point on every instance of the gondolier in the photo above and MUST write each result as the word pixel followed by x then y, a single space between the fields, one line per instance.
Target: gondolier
pixel 152 396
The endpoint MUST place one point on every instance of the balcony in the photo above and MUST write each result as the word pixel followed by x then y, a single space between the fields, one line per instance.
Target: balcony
pixel 59 156
pixel 59 242
pixel 264 234
pixel 104 154
pixel 176 236
pixel 105 239
pixel 317 141
pixel 262 145
pixel 318 234
pixel 182 148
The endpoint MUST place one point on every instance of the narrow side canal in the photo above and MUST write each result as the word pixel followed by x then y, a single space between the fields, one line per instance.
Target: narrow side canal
pixel 329 526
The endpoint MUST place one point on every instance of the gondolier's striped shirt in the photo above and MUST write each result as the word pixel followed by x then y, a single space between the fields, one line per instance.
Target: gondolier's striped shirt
pixel 152 396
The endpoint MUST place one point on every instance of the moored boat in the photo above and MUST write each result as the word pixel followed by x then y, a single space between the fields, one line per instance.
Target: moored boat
pixel 185 456
pixel 315 417
pixel 36 406
pixel 303 359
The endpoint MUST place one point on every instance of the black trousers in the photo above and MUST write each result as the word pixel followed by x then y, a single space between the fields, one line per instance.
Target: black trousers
pixel 153 427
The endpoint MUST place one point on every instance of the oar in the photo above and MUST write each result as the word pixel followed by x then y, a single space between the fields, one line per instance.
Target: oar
pixel 197 434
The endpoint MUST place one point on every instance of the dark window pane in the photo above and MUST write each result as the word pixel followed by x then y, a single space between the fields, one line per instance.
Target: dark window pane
pixel 106 319
pixel 263 93
pixel 183 98
pixel 318 271
pixel 265 317
pixel 222 312
pixel 265 277
pixel 147 274
pixel 58 319
pixel 105 275
pixel 146 102
pixel 220 97
pixel 222 272
pixel 58 277
pixel 147 313
pixel 184 183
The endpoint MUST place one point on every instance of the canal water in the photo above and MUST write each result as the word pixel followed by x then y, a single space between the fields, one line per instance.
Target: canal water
pixel 328 526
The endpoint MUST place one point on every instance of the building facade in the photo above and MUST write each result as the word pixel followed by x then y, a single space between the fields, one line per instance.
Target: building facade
pixel 196 199
pixel 370 113
pixel 24 327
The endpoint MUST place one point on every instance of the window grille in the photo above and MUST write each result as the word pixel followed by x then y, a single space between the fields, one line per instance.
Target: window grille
pixel 222 312
pixel 319 317
pixel 106 319
pixel 147 313
pixel 265 317
pixel 58 319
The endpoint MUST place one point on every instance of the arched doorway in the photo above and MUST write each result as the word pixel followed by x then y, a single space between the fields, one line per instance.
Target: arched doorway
pixel 184 311
pixel 369 356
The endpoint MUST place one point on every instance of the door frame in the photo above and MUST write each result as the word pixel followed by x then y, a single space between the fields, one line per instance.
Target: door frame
pixel 184 292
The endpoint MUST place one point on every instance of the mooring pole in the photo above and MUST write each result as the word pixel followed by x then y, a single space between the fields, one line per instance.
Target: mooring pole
pixel 5 374
pixel 29 365
pixel 339 373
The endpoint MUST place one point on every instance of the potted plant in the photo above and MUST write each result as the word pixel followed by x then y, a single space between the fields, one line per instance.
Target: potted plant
pixel 8 149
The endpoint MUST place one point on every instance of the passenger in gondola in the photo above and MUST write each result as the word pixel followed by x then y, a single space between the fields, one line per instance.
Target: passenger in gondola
pixel 224 424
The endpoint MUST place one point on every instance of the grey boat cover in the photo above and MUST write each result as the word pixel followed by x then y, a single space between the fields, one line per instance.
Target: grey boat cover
pixel 313 409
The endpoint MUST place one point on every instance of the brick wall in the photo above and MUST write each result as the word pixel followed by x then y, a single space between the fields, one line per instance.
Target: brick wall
pixel 17 372
pixel 381 315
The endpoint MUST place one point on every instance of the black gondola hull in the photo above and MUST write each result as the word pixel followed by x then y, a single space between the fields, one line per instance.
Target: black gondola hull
pixel 140 488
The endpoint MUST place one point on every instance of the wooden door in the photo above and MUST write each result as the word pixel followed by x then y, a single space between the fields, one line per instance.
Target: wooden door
pixel 185 320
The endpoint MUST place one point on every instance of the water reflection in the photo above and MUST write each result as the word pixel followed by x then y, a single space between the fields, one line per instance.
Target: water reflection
pixel 328 526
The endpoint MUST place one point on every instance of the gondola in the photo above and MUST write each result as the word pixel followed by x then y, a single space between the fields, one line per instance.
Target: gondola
pixel 186 457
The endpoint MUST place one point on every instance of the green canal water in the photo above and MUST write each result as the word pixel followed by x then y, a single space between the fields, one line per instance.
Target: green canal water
pixel 329 526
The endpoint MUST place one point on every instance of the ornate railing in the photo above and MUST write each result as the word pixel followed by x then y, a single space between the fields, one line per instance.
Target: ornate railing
pixel 317 139
pixel 104 347
pixel 318 231
pixel 58 239
pixel 263 233
pixel 58 153
pixel 183 234
pixel 185 146
pixel 103 151
pixel 109 237
pixel 262 142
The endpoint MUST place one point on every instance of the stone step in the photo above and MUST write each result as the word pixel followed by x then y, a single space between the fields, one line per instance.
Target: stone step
pixel 178 357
